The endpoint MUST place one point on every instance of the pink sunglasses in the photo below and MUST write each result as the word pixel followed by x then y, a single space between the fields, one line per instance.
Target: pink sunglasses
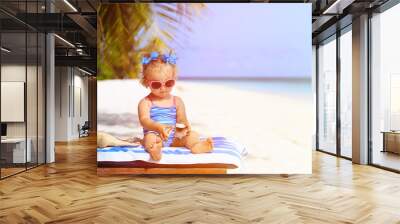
pixel 157 84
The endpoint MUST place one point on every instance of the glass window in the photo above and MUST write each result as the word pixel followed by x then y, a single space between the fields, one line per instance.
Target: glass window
pixel 41 79
pixel 14 153
pixel 327 96
pixel 346 94
pixel 313 80
pixel 22 92
pixel 385 89
pixel 31 99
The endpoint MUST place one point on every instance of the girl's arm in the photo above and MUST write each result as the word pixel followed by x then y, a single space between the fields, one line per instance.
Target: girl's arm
pixel 181 113
pixel 147 122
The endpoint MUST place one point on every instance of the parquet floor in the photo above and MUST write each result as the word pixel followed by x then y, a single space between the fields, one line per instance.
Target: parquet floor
pixel 10 171
pixel 69 191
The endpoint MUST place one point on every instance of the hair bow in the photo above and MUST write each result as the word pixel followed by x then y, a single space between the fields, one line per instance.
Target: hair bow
pixel 153 56
pixel 171 59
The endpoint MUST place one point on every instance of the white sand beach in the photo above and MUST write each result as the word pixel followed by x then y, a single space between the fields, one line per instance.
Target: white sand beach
pixel 275 128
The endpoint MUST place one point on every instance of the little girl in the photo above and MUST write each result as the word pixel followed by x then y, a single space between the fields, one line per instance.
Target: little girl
pixel 159 112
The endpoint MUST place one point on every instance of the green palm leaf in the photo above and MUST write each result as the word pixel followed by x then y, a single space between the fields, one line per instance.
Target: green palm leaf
pixel 126 31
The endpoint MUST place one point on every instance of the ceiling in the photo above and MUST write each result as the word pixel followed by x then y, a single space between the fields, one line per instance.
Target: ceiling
pixel 75 21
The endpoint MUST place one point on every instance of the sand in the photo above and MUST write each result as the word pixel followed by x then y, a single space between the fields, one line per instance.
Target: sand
pixel 276 129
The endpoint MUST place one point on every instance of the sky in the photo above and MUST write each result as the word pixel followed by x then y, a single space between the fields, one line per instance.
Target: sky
pixel 248 40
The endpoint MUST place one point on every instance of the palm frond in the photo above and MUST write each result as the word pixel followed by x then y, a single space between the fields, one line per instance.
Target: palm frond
pixel 126 31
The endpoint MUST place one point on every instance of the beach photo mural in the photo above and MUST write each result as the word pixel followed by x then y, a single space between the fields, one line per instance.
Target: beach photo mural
pixel 204 88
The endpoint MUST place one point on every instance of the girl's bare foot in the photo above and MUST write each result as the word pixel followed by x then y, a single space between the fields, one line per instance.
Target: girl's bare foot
pixel 203 146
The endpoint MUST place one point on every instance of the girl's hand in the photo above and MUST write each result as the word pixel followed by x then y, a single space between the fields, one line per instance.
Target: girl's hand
pixel 182 129
pixel 164 131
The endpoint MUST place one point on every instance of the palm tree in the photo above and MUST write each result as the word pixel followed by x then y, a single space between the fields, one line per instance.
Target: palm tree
pixel 126 31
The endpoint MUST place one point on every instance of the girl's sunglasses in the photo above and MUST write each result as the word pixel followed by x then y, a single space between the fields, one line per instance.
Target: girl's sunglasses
pixel 157 84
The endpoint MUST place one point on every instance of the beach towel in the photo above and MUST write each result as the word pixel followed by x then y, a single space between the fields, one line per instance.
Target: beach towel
pixel 225 151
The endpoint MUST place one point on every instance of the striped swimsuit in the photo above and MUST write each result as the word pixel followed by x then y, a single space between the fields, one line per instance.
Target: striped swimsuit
pixel 163 115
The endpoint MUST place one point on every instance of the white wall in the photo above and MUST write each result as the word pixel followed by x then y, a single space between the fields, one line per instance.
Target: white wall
pixel 81 101
pixel 61 103
pixel 12 73
pixel 71 94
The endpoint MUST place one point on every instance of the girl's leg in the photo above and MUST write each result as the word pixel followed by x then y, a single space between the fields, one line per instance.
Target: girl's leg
pixel 153 144
pixel 192 142
pixel 107 140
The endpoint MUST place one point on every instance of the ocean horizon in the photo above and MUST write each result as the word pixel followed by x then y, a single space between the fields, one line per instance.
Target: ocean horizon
pixel 292 87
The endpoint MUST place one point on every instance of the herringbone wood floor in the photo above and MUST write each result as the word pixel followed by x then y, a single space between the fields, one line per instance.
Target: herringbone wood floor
pixel 69 191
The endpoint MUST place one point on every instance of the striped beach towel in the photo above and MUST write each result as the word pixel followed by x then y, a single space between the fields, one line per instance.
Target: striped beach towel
pixel 225 152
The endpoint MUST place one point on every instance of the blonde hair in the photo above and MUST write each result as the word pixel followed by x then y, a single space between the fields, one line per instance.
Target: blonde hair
pixel 158 66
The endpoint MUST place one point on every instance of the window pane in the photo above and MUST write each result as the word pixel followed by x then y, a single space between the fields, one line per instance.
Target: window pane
pixel 23 89
pixel 31 100
pixel 41 98
pixel 346 93
pixel 327 96
pixel 386 89
pixel 13 86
